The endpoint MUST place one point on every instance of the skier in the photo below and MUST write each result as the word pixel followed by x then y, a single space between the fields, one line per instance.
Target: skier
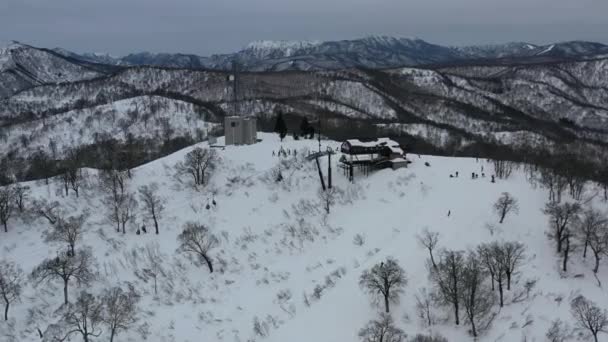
pixel 273 154
pixel 214 203
pixel 143 229
pixel 137 232
pixel 449 213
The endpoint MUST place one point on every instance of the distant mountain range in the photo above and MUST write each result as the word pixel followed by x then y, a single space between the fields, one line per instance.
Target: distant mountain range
pixel 375 52
pixel 547 100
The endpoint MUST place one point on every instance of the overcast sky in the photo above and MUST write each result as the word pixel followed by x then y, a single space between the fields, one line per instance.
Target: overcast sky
pixel 219 26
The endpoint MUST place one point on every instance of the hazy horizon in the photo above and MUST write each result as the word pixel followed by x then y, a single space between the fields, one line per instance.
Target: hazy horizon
pixel 207 27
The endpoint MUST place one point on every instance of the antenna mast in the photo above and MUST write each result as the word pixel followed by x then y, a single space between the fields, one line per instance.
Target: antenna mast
pixel 235 86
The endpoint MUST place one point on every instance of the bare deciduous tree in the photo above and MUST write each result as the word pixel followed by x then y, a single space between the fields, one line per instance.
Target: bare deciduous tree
pixel 119 309
pixel 429 240
pixel 68 230
pixel 198 239
pixel 477 298
pixel 592 220
pixel 382 330
pixel 589 316
pixel 561 217
pixel 385 280
pixel 558 331
pixel 6 205
pixel 196 163
pixel 511 258
pixel 127 211
pixel 504 205
pixel 448 278
pixel 424 307
pixel 84 317
pixel 11 278
pixel 79 268
pixel 114 184
pixel 154 204
pixel 492 256
pixel 154 263
pixel 598 242
pixel 503 168
pixel 21 194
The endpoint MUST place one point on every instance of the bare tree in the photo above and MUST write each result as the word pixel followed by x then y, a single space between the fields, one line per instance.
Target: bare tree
pixel 492 255
pixel 592 220
pixel 84 317
pixel 567 249
pixel 385 280
pixel 589 316
pixel 154 204
pixel 119 309
pixel 504 205
pixel 561 217
pixel 558 331
pixel 477 297
pixel 197 163
pixel 51 211
pixel 424 306
pixel 382 330
pixel 6 205
pixel 512 256
pixel 79 268
pixel 72 174
pixel 68 230
pixel 114 184
pixel 154 263
pixel 127 211
pixel 598 241
pixel 198 239
pixel 503 168
pixel 21 194
pixel 11 279
pixel 429 240
pixel 448 278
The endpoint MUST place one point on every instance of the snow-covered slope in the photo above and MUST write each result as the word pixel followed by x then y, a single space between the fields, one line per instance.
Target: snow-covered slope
pixel 285 264
pixel 23 66
pixel 147 117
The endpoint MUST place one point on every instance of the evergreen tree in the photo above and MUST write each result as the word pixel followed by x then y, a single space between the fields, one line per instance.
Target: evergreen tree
pixel 280 126
pixel 305 127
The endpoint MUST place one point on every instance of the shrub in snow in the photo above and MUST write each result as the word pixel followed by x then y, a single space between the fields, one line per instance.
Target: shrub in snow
pixel 428 338
pixel 359 240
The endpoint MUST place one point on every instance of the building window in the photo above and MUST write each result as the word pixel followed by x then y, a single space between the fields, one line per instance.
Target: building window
pixel 233 124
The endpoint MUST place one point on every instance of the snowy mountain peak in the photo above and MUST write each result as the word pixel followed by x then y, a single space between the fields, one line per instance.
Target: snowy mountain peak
pixel 281 44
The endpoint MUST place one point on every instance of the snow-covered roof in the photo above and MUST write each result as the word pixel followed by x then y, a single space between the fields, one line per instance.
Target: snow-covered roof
pixel 393 145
